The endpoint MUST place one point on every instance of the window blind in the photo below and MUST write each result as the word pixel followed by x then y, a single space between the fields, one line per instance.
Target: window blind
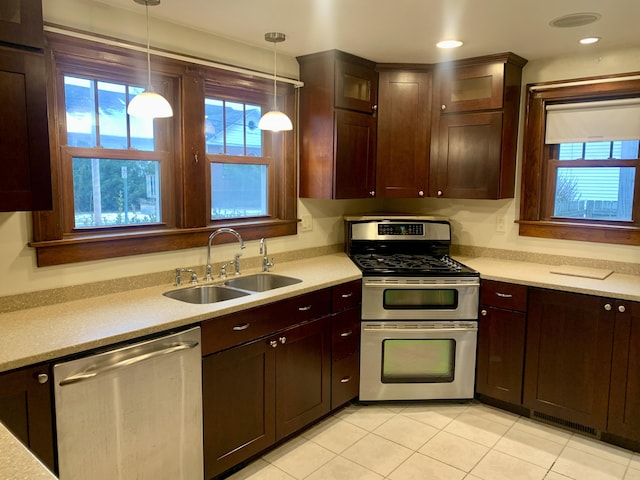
pixel 593 121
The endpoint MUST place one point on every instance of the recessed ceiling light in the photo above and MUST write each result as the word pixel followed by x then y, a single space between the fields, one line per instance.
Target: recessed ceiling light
pixel 449 44
pixel 589 40
pixel 575 20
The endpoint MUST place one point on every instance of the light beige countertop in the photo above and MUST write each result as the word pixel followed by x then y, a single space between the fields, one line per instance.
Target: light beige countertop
pixel 616 285
pixel 42 334
pixel 18 463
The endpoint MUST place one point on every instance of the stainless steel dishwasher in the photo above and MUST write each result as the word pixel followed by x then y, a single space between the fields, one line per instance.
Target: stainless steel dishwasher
pixel 132 413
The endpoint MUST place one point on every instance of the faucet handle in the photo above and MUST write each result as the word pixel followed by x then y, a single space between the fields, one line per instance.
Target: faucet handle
pixel 194 275
pixel 236 263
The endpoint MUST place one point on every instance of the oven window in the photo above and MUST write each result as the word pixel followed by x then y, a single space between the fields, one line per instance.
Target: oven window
pixel 414 299
pixel 418 361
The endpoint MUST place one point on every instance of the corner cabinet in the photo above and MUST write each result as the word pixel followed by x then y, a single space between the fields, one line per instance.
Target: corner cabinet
pixel 501 341
pixel 25 170
pixel 404 131
pixel 475 126
pixel 337 126
pixel 26 409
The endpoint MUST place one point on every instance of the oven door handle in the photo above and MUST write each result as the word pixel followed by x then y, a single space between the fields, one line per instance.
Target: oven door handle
pixel 418 329
pixel 422 286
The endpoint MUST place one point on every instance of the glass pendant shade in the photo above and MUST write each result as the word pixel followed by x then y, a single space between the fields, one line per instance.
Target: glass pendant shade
pixel 275 120
pixel 149 104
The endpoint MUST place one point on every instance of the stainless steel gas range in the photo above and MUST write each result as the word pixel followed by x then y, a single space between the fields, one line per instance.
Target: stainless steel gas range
pixel 419 309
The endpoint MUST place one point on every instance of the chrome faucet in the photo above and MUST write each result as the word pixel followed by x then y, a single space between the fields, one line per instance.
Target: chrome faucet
pixel 266 264
pixel 208 276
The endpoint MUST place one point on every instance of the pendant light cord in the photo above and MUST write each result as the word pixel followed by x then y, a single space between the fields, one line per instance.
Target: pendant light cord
pixel 275 76
pixel 146 4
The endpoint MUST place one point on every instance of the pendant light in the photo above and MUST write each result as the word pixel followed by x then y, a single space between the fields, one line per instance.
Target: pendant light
pixel 148 103
pixel 275 120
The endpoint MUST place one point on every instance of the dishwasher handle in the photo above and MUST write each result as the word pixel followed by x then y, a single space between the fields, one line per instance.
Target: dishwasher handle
pixel 100 370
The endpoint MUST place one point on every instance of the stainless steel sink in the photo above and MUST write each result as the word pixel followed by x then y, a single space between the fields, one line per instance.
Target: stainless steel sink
pixel 202 294
pixel 262 282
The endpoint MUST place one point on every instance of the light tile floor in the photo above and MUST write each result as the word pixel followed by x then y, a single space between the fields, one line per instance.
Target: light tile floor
pixel 440 442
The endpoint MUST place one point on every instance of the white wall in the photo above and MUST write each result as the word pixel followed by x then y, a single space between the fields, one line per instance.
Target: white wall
pixel 474 221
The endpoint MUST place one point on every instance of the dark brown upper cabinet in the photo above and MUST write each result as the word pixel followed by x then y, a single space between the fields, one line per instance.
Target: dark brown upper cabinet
pixel 21 23
pixel 475 127
pixel 25 170
pixel 337 126
pixel 404 131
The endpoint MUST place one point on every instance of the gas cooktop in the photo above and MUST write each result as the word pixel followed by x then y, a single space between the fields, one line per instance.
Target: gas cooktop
pixel 409 264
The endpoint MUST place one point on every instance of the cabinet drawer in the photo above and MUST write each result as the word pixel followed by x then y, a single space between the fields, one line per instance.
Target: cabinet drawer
pixel 345 333
pixel 503 295
pixel 345 380
pixel 241 327
pixel 346 295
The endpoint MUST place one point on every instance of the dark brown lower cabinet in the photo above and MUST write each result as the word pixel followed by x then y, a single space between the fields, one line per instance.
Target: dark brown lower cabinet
pixel 260 392
pixel 568 356
pixel 26 409
pixel 624 399
pixel 500 364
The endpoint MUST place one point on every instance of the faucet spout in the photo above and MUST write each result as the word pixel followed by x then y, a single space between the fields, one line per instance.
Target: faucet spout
pixel 208 277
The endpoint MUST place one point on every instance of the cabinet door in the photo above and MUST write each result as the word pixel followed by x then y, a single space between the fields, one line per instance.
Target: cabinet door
pixel 568 356
pixel 468 159
pixel 238 405
pixel 356 86
pixel 355 141
pixel 501 335
pixel 624 400
pixel 21 23
pixel 303 375
pixel 471 88
pixel 26 409
pixel 404 134
pixel 25 171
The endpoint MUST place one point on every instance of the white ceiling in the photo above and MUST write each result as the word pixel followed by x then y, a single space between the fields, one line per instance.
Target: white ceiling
pixel 407 30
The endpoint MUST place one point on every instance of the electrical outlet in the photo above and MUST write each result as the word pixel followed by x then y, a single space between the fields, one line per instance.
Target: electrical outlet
pixel 500 224
pixel 306 224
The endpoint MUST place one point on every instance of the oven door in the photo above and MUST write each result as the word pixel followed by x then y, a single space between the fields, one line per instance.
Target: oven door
pixel 420 298
pixel 417 360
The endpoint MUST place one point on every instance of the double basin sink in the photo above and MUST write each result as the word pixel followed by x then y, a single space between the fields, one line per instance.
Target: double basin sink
pixel 234 288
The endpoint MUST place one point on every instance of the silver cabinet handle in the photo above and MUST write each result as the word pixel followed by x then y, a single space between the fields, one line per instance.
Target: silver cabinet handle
pixel 273 343
pixel 93 372
pixel 305 309
pixel 607 307
pixel 443 107
pixel 621 308
pixel 372 193
pixel 483 312
pixel 42 378
pixel 348 333
pixel 421 193
pixel 504 295
pixel 239 328
pixel 347 295
pixel 345 379
pixel 283 340
pixel 439 193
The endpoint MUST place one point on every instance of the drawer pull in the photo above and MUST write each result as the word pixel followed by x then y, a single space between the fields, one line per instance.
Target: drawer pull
pixel 347 295
pixel 483 312
pixel 305 309
pixel 348 333
pixel 239 328
pixel 504 295
pixel 345 379
pixel 273 343
pixel 621 308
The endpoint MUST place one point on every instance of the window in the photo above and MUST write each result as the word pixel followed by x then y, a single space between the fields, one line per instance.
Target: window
pixel 581 162
pixel 239 170
pixel 124 185
pixel 120 189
